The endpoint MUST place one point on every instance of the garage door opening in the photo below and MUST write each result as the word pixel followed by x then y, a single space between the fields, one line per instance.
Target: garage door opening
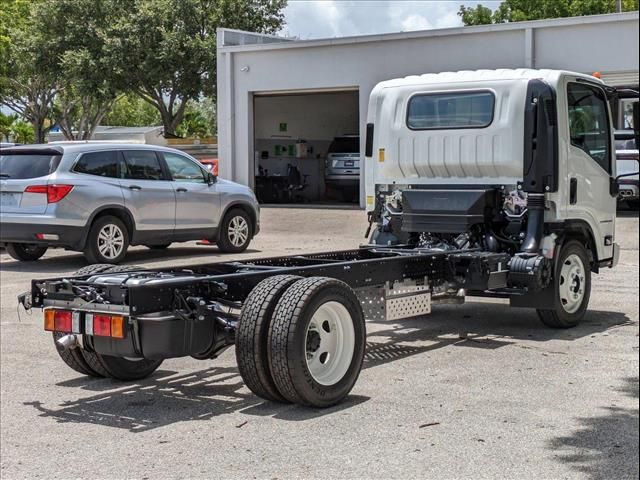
pixel 307 149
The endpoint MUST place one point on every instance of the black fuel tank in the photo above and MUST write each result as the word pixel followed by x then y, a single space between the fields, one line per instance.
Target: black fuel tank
pixel 446 210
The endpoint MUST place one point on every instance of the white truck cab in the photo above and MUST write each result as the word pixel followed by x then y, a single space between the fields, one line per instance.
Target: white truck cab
pixel 521 161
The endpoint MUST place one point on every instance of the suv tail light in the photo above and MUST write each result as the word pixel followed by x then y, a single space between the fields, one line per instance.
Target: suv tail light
pixel 54 193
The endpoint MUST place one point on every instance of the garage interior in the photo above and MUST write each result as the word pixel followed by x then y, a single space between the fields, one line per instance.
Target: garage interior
pixel 293 133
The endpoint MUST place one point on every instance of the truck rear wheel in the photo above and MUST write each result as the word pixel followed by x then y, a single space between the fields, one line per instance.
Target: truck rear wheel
pixel 252 336
pixel 572 287
pixel 121 368
pixel 317 342
pixel 92 269
pixel 74 357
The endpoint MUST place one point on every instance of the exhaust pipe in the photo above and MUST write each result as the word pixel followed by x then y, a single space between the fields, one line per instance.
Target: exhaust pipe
pixel 68 342
pixel 535 223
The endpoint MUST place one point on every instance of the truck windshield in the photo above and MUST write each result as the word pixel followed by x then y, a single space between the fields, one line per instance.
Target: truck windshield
pixel 450 110
pixel 17 167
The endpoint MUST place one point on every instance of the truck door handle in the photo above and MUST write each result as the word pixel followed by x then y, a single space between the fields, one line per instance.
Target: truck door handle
pixel 181 189
pixel 573 191
pixel 135 187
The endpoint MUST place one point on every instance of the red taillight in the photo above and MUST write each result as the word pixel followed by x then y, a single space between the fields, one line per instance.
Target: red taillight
pixel 54 193
pixel 36 189
pixel 102 325
pixel 58 320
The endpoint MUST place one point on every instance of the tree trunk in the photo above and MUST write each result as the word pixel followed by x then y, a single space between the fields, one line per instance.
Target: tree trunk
pixel 39 130
pixel 171 114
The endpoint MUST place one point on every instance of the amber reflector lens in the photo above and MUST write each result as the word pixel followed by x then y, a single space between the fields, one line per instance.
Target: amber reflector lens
pixel 49 320
pixel 117 327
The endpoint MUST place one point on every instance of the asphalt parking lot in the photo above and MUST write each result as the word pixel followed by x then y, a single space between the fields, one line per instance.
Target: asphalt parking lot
pixel 472 391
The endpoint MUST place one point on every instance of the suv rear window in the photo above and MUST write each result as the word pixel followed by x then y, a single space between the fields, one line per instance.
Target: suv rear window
pixel 450 110
pixel 102 164
pixel 345 145
pixel 24 166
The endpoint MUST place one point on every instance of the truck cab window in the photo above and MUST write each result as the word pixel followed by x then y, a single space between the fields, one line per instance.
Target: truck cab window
pixel 450 110
pixel 589 122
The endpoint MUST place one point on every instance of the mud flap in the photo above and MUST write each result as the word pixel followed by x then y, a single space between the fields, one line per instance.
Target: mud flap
pixel 542 300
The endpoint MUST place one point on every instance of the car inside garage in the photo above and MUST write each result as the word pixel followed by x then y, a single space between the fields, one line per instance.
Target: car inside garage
pixel 306 147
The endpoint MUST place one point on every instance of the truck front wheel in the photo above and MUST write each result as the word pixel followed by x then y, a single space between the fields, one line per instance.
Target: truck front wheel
pixel 317 342
pixel 572 287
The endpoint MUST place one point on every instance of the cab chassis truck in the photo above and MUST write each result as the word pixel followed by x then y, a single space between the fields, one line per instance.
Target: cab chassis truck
pixel 487 183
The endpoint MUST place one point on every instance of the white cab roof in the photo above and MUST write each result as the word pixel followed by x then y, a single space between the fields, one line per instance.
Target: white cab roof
pixel 464 76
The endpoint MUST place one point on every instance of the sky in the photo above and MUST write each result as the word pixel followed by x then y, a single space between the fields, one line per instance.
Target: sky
pixel 308 19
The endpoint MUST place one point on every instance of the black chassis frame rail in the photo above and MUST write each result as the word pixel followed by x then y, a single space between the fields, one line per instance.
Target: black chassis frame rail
pixel 368 266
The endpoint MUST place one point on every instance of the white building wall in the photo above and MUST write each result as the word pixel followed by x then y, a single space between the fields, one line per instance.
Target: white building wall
pixel 605 43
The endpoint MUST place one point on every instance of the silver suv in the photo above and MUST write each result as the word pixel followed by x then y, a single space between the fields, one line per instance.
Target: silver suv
pixel 343 161
pixel 99 198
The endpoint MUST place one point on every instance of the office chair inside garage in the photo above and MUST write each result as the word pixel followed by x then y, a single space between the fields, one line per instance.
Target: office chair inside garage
pixel 296 184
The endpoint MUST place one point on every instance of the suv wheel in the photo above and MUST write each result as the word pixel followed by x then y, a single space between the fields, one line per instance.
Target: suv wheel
pixel 236 232
pixel 26 252
pixel 108 241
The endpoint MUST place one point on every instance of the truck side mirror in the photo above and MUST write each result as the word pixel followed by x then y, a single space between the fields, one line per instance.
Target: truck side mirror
pixel 636 123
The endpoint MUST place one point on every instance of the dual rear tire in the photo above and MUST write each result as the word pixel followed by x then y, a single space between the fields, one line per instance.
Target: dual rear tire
pixel 301 340
pixel 94 364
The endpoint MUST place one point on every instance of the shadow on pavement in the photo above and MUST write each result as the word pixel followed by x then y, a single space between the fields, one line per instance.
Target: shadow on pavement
pixel 74 261
pixel 167 397
pixel 478 325
pixel 604 446
pixel 164 399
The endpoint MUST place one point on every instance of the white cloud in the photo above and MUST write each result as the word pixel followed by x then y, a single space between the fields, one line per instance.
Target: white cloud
pixel 415 22
pixel 339 18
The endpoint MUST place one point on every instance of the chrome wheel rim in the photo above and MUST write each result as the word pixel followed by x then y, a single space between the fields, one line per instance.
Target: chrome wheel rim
pixel 330 343
pixel 238 231
pixel 110 241
pixel 572 283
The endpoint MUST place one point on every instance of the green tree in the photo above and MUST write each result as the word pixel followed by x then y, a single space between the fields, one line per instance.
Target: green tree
pixel 22 132
pixel 79 32
pixel 129 110
pixel 522 10
pixel 168 47
pixel 199 119
pixel 28 83
pixel 480 15
pixel 6 121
